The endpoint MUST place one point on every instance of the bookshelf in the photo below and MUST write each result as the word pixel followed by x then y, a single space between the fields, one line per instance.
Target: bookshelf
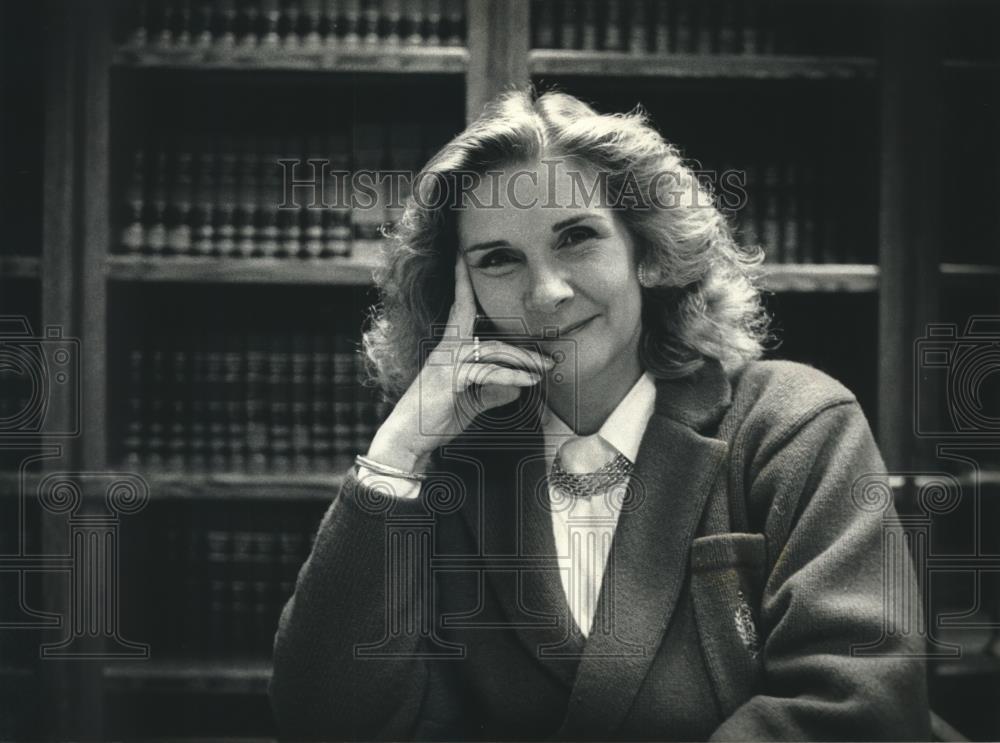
pixel 153 213
pixel 206 269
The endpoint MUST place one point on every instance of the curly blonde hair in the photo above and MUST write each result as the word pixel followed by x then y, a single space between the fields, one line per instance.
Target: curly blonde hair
pixel 704 302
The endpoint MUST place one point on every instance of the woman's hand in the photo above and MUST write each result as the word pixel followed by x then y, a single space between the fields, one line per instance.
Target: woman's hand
pixel 452 388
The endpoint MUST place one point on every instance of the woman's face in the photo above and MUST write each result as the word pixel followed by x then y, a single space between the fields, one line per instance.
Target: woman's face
pixel 545 258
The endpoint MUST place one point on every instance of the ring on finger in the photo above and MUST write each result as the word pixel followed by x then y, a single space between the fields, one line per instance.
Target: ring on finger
pixel 475 348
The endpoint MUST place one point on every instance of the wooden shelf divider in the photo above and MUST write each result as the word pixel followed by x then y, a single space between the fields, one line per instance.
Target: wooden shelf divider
pixel 340 58
pixel 188 676
pixel 731 66
pixel 20 266
pixel 847 277
pixel 354 271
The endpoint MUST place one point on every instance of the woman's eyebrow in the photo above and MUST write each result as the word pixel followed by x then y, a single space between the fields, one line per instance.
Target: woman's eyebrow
pixel 485 246
pixel 573 220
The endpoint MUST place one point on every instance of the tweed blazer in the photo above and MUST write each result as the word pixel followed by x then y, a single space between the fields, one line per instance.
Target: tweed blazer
pixel 743 598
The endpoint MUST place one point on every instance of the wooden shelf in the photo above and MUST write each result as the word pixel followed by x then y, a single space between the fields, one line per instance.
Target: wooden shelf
pixel 733 66
pixel 20 267
pixel 845 277
pixel 243 486
pixel 193 676
pixel 972 65
pixel 354 271
pixel 965 272
pixel 339 58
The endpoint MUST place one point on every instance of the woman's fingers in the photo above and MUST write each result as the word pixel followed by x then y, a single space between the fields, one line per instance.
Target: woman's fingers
pixel 494 396
pixel 485 375
pixel 463 310
pixel 504 354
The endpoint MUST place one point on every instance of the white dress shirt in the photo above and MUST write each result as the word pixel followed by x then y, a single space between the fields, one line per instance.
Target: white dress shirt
pixel 584 527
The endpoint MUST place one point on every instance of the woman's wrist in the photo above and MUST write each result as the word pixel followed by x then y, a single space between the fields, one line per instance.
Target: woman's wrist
pixel 391 450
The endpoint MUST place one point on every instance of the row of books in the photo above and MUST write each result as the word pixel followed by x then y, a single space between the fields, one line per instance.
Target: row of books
pixel 218 24
pixel 227 583
pixel 697 27
pixel 302 196
pixel 253 403
pixel 220 579
pixel 789 215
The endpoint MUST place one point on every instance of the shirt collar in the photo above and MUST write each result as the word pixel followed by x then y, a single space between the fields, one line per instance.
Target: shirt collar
pixel 624 428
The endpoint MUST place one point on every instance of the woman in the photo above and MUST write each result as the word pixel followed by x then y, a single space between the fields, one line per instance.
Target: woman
pixel 592 512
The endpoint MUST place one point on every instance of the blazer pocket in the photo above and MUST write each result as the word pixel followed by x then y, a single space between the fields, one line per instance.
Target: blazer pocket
pixel 727 575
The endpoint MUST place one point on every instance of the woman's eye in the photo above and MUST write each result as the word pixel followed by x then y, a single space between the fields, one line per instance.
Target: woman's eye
pixel 576 235
pixel 495 260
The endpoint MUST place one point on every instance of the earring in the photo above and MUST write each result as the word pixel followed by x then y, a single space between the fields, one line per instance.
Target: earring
pixel 645 280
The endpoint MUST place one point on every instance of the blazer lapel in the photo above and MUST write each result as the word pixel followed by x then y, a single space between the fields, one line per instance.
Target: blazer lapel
pixel 512 529
pixel 675 469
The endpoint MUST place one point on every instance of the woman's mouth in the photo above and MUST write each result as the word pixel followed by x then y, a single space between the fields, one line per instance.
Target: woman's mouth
pixel 575 327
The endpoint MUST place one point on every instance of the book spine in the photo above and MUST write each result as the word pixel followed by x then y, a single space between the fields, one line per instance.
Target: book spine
pixel 350 21
pixel 135 425
pixel 312 212
pixel 224 203
pixel 432 22
pixel 291 24
pixel 156 229
pixel 543 24
pixel 321 402
pixel 134 233
pixel 220 550
pixel 241 577
pixel 392 22
pixel 178 238
pixel 256 404
pixel 279 424
pixel 808 213
pixel 202 226
pixel 312 22
pixel 613 26
pixel 331 19
pixel 729 31
pixel 369 217
pixel 245 217
pixel 235 396
pixel 791 193
pixel 301 459
pixel 177 434
pixel 139 24
pixel 270 196
pixel 201 23
pixel 224 23
pixel 269 35
pixel 343 403
pixel 264 592
pixel 455 23
pixel 568 25
pixel 157 407
pixel 198 445
pixel 771 223
pixel 662 26
pixel 215 390
pixel 370 21
pixel 639 25
pixel 195 582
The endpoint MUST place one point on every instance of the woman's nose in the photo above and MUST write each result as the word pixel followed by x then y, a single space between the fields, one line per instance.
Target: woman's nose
pixel 548 290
